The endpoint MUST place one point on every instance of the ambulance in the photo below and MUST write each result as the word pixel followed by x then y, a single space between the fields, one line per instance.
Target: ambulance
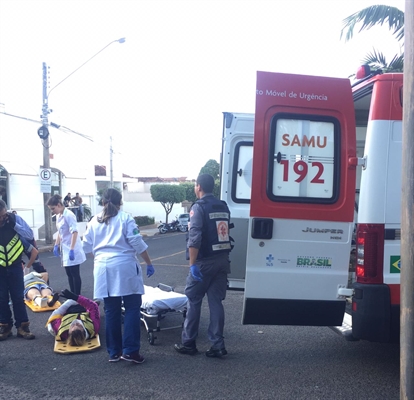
pixel 313 182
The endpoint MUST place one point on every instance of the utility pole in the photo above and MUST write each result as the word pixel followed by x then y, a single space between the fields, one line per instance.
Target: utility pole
pixel 407 213
pixel 46 155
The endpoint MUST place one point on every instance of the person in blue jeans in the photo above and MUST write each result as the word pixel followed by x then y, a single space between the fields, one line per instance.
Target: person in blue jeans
pixel 113 238
pixel 11 280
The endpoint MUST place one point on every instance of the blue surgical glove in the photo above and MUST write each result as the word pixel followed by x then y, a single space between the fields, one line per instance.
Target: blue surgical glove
pixel 71 255
pixel 196 273
pixel 56 250
pixel 150 270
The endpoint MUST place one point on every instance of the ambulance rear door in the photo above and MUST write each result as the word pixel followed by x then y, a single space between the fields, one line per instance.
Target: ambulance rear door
pixel 302 201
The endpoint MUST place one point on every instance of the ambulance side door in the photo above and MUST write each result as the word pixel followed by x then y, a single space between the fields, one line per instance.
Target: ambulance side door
pixel 302 201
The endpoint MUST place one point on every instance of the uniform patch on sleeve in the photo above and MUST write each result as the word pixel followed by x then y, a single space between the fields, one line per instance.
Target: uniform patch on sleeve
pixel 135 231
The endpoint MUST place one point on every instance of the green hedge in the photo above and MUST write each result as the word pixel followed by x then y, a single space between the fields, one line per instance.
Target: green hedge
pixel 144 220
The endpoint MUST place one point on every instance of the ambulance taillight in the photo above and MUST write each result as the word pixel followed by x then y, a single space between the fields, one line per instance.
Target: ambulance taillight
pixel 370 253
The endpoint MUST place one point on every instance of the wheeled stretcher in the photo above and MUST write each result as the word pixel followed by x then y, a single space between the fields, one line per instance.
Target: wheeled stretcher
pixel 157 302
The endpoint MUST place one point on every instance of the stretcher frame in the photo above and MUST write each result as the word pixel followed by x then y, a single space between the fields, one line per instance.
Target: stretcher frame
pixel 35 308
pixel 63 347
pixel 145 317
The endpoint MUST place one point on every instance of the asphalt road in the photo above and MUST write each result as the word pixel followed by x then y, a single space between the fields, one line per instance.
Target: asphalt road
pixel 264 362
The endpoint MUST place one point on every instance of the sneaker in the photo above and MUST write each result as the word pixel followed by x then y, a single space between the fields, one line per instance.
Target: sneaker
pixel 115 358
pixel 185 349
pixel 216 352
pixel 133 357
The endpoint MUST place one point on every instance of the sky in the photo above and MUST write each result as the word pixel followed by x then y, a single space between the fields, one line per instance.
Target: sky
pixel 161 94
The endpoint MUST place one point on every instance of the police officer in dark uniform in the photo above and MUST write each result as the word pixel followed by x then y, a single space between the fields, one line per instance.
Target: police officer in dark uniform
pixel 209 247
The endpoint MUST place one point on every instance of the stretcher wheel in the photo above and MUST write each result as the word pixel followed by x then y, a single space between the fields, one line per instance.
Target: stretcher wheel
pixel 151 338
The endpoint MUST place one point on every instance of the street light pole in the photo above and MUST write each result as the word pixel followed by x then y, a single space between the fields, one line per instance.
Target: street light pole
pixel 45 135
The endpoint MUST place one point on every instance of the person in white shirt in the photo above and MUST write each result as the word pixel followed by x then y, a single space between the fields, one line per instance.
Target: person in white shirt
pixel 114 239
pixel 68 245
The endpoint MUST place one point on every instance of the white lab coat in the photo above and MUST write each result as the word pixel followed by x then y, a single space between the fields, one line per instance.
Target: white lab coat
pixel 66 225
pixel 114 246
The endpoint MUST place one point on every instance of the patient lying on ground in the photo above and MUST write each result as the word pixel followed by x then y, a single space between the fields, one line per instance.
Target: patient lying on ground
pixel 37 289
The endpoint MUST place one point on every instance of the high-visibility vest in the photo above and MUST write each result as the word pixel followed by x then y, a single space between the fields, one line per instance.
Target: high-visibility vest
pixel 11 247
pixel 69 318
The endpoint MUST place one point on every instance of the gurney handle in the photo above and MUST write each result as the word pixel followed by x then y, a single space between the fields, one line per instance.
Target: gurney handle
pixel 166 288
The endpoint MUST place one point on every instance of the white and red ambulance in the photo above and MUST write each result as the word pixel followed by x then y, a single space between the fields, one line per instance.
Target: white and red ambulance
pixel 312 178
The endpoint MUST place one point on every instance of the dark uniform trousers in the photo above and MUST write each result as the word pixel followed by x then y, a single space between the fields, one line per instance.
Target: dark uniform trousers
pixel 214 284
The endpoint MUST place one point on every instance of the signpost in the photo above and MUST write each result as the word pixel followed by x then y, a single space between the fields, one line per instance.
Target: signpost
pixel 45 180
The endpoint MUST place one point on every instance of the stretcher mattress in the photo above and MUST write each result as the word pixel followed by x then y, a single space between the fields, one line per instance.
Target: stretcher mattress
pixel 156 300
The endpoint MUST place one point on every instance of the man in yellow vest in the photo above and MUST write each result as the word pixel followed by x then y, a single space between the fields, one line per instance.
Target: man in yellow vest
pixel 11 280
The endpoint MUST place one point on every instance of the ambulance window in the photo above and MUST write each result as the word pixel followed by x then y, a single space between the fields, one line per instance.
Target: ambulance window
pixel 242 172
pixel 303 159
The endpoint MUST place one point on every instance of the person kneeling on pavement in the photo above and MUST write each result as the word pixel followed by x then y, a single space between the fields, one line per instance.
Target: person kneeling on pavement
pixel 76 320
pixel 11 280
pixel 37 289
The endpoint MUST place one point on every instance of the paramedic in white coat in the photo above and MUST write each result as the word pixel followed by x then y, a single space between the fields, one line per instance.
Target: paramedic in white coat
pixel 68 242
pixel 113 238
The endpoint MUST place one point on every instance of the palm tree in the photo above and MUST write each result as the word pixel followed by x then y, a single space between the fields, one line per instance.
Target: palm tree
pixel 372 16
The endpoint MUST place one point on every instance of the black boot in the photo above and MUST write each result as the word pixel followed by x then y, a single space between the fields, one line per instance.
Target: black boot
pixel 53 300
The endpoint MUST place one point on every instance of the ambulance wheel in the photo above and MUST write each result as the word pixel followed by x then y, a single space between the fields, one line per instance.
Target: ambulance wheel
pixel 151 338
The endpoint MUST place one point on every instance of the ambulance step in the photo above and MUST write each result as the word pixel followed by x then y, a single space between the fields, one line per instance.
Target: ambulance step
pixel 346 329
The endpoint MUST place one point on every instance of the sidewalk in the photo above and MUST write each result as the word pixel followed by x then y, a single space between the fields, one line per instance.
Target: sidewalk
pixel 145 231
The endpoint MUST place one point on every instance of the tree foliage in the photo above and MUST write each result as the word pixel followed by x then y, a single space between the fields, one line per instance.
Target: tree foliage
pixel 168 195
pixel 374 16
pixel 101 191
pixel 189 191
pixel 211 167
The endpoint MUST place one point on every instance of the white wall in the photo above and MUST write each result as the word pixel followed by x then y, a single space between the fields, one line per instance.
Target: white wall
pixel 152 209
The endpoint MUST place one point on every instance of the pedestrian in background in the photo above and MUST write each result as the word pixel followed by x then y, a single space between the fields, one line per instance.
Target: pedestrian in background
pixel 114 239
pixel 77 202
pixel 67 201
pixel 209 247
pixel 68 245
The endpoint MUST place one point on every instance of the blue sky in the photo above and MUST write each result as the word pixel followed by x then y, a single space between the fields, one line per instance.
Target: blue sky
pixel 161 94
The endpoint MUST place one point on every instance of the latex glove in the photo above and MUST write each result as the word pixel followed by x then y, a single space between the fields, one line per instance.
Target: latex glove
pixel 196 273
pixel 69 295
pixel 56 250
pixel 71 255
pixel 150 270
pixel 11 219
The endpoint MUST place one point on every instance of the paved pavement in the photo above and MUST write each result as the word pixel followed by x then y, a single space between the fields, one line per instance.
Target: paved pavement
pixel 149 230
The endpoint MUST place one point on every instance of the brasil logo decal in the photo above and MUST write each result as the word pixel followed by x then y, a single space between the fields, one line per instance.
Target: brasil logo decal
pixel 395 264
